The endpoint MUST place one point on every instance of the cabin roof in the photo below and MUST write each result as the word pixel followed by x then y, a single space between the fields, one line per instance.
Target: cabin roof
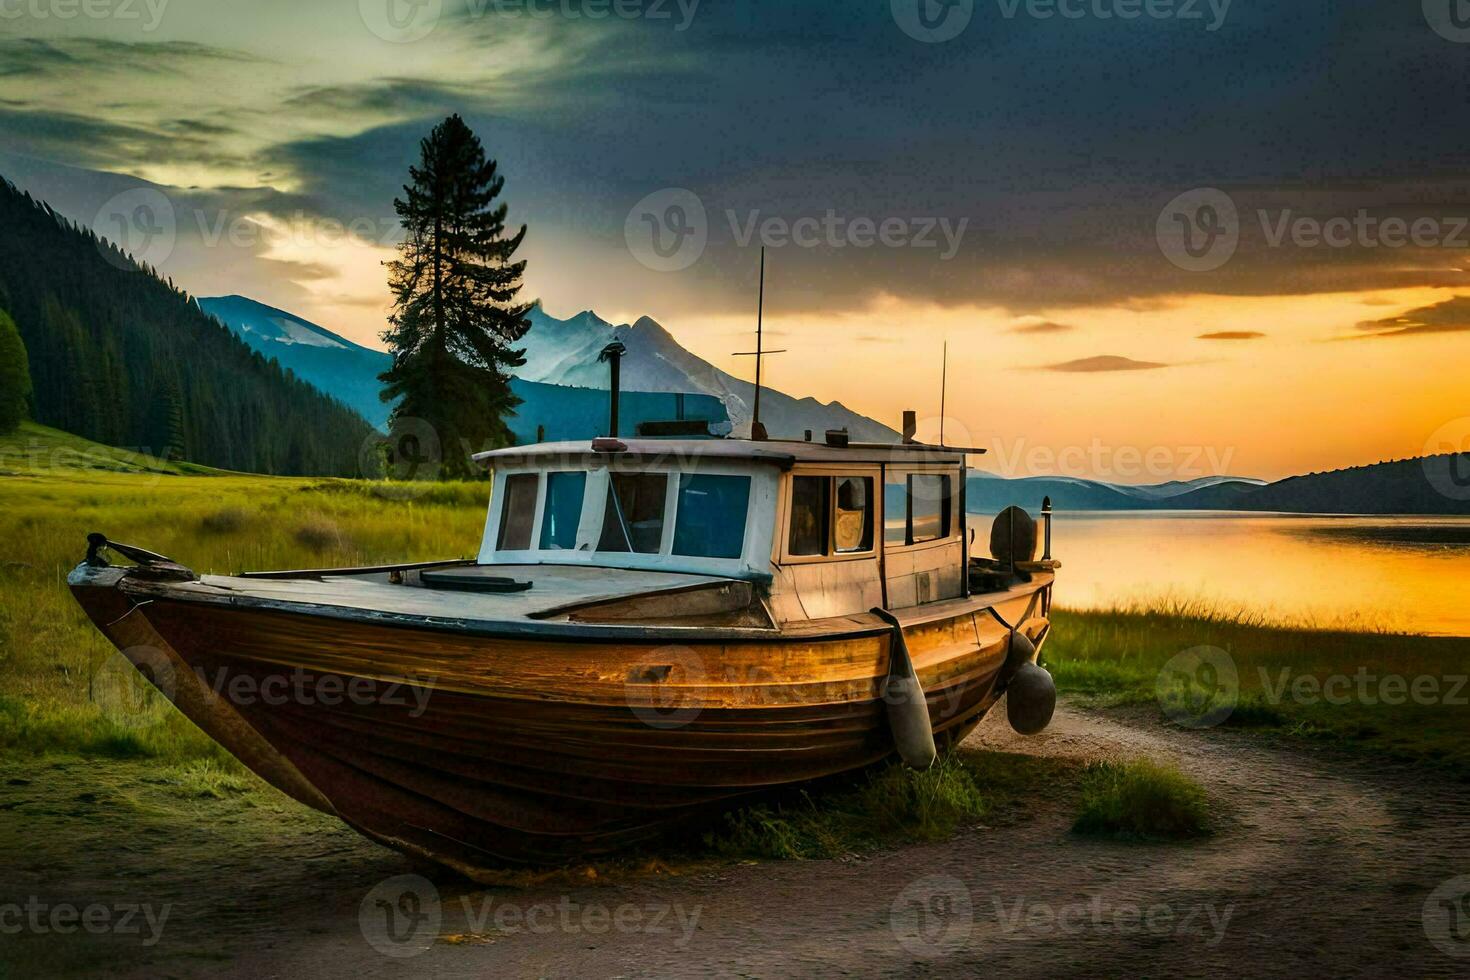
pixel 780 453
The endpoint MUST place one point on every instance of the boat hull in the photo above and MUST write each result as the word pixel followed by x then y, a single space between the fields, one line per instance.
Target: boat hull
pixel 476 751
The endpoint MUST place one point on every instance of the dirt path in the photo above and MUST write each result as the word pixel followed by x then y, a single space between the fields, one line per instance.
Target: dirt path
pixel 1323 867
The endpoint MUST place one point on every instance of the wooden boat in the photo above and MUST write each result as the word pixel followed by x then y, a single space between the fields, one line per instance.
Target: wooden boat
pixel 653 629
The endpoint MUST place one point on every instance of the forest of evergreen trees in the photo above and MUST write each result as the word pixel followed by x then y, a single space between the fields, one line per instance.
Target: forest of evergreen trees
pixel 122 357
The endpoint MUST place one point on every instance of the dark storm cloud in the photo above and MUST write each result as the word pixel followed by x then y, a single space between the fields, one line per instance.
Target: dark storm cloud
pixel 1055 144
pixel 1232 335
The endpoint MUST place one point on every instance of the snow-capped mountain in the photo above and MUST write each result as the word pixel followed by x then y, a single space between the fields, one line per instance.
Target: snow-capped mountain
pixel 565 352
pixel 558 352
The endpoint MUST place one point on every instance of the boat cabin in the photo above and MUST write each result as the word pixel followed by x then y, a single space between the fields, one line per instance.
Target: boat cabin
pixel 824 530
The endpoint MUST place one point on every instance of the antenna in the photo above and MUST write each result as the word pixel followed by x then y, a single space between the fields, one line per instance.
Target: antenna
pixel 758 431
pixel 943 389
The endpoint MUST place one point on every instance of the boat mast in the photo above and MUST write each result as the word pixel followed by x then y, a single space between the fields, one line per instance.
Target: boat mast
pixel 943 386
pixel 758 431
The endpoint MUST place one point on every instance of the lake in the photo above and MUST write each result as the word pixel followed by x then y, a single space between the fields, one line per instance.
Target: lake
pixel 1403 573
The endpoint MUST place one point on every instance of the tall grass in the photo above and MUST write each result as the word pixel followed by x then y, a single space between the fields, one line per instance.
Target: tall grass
pixel 1141 800
pixel 55 488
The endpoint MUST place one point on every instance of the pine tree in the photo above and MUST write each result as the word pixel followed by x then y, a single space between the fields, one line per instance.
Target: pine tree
pixel 456 315
pixel 15 376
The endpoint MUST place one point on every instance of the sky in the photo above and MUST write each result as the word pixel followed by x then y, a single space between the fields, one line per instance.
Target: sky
pixel 1160 237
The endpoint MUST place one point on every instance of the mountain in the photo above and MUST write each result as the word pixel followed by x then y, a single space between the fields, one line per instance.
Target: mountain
pixel 1398 487
pixel 119 356
pixel 986 493
pixel 565 352
pixel 558 352
pixel 548 411
pixel 347 371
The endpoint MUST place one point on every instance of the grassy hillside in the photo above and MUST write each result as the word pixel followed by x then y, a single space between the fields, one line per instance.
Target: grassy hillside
pixel 56 488
pixel 119 355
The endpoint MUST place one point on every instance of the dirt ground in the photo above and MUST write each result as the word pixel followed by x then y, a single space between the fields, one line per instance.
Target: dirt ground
pixel 1324 865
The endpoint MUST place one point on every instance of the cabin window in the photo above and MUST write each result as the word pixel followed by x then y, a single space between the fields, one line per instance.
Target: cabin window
pixel 852 526
pixel 895 511
pixel 633 517
pixel 928 507
pixel 518 513
pixel 562 511
pixel 710 521
pixel 810 496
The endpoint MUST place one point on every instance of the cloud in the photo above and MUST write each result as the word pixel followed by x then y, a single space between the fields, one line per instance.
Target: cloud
pixel 1103 363
pixel 1042 326
pixel 1451 316
pixel 1232 335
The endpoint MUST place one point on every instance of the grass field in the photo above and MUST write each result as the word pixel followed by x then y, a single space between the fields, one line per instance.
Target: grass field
pixel 56 488
pixel 1405 698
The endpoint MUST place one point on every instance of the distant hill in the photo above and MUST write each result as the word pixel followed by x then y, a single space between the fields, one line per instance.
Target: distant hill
pixel 559 353
pixel 1399 487
pixel 121 357
pixel 36 450
pixel 990 494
